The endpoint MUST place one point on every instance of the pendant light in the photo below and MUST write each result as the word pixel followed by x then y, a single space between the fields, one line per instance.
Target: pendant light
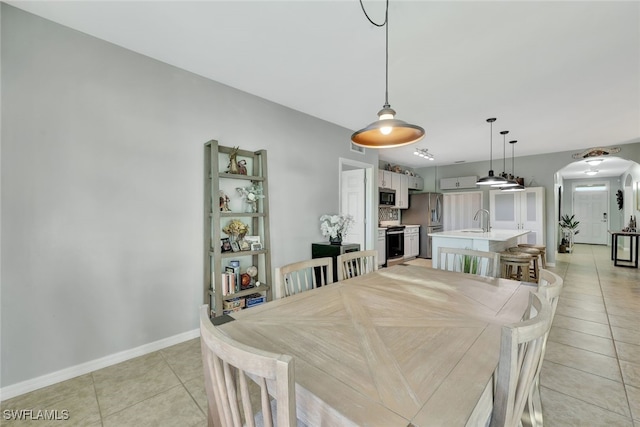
pixel 491 179
pixel 514 184
pixel 387 131
pixel 508 183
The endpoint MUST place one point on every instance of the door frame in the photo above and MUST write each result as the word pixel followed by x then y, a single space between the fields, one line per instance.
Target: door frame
pixel 371 218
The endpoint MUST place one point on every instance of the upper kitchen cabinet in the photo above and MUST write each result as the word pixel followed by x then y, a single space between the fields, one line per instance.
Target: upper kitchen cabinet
pixel 458 183
pixel 416 183
pixel 384 178
pixel 523 210
pixel 400 183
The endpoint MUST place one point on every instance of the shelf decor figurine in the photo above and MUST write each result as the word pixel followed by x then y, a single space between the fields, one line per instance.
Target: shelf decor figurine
pixel 251 195
pixel 233 161
pixel 335 227
pixel 224 202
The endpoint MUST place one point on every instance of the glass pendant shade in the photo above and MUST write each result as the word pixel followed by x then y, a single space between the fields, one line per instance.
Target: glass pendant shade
pixel 491 179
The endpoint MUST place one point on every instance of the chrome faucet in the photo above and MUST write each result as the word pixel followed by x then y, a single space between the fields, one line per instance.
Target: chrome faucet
pixel 478 214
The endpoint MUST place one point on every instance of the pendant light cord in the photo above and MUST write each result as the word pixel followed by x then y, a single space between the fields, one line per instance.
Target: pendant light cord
pixel 386 52
pixel 491 147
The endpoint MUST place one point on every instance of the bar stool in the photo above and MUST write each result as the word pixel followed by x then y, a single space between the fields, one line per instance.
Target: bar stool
pixel 515 266
pixel 534 254
pixel 541 248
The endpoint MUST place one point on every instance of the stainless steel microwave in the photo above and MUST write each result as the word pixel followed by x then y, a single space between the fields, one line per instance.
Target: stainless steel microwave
pixel 386 197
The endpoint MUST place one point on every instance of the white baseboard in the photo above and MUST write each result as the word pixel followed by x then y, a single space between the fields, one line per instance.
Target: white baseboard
pixel 84 368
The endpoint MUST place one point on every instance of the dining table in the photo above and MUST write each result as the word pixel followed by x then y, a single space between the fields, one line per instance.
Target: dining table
pixel 401 346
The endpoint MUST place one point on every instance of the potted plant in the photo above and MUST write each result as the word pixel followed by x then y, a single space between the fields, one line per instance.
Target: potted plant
pixel 569 229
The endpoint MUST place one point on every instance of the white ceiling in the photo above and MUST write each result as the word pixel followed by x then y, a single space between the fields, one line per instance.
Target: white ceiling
pixel 558 75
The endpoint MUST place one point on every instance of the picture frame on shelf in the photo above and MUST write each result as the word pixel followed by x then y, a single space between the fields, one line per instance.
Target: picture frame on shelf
pixel 256 246
pixel 225 244
pixel 244 245
pixel 235 247
pixel 252 239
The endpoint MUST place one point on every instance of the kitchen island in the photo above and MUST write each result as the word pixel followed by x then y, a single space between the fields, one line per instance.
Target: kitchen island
pixel 474 238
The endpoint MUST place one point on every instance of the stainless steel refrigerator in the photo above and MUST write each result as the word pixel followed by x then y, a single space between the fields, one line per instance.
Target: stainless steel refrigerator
pixel 425 210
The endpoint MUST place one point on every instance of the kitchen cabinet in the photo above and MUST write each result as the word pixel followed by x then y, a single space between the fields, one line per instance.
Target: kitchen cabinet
pixel 411 241
pixel 400 183
pixel 458 183
pixel 522 210
pixel 381 246
pixel 384 178
pixel 255 261
pixel 416 183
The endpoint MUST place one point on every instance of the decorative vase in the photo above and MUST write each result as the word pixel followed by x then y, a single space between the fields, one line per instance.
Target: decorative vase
pixel 252 207
pixel 336 240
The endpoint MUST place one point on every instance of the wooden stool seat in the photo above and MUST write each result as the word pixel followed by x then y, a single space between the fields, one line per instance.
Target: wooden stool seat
pixel 541 248
pixel 535 257
pixel 515 266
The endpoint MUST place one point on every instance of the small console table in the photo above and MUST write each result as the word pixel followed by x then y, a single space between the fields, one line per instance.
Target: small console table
pixel 326 249
pixel 634 237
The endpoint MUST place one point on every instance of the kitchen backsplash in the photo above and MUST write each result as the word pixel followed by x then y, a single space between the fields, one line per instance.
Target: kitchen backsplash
pixel 388 214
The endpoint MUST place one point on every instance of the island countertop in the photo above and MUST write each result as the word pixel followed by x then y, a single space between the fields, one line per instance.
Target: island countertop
pixel 478 234
pixel 474 238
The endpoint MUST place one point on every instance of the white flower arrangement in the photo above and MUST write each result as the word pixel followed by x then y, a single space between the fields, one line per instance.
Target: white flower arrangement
pixel 335 226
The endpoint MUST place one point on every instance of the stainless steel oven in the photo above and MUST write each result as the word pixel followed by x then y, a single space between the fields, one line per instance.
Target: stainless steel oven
pixel 395 244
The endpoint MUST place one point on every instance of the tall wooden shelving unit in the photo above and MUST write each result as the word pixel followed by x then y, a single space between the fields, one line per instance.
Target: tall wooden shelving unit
pixel 216 159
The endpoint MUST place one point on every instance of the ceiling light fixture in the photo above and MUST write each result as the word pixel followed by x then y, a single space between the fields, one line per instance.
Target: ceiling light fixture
pixel 512 184
pixel 595 162
pixel 424 153
pixel 491 179
pixel 508 183
pixel 387 131
pixel 592 171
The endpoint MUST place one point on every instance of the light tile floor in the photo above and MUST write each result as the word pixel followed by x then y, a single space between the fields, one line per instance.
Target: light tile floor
pixel 590 377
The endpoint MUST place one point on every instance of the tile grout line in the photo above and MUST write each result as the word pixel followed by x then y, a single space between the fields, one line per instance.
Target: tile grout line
pixel 183 384
pixel 615 347
pixel 95 391
pixel 564 276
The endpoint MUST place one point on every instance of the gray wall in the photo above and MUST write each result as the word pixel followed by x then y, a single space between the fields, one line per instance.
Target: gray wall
pixel 538 171
pixel 102 192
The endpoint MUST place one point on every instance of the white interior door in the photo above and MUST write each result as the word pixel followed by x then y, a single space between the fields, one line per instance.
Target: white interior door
pixel 591 208
pixel 353 203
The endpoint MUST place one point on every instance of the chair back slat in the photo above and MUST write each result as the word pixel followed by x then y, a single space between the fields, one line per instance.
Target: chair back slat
pixel 520 361
pixel 303 276
pixel 481 263
pixel 352 264
pixel 228 365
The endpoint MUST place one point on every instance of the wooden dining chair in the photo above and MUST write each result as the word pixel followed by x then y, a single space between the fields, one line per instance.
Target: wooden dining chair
pixel 519 364
pixel 228 365
pixel 549 286
pixel 471 261
pixel 352 264
pixel 304 275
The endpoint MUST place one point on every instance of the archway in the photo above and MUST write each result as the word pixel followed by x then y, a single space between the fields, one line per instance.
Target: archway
pixel 620 174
